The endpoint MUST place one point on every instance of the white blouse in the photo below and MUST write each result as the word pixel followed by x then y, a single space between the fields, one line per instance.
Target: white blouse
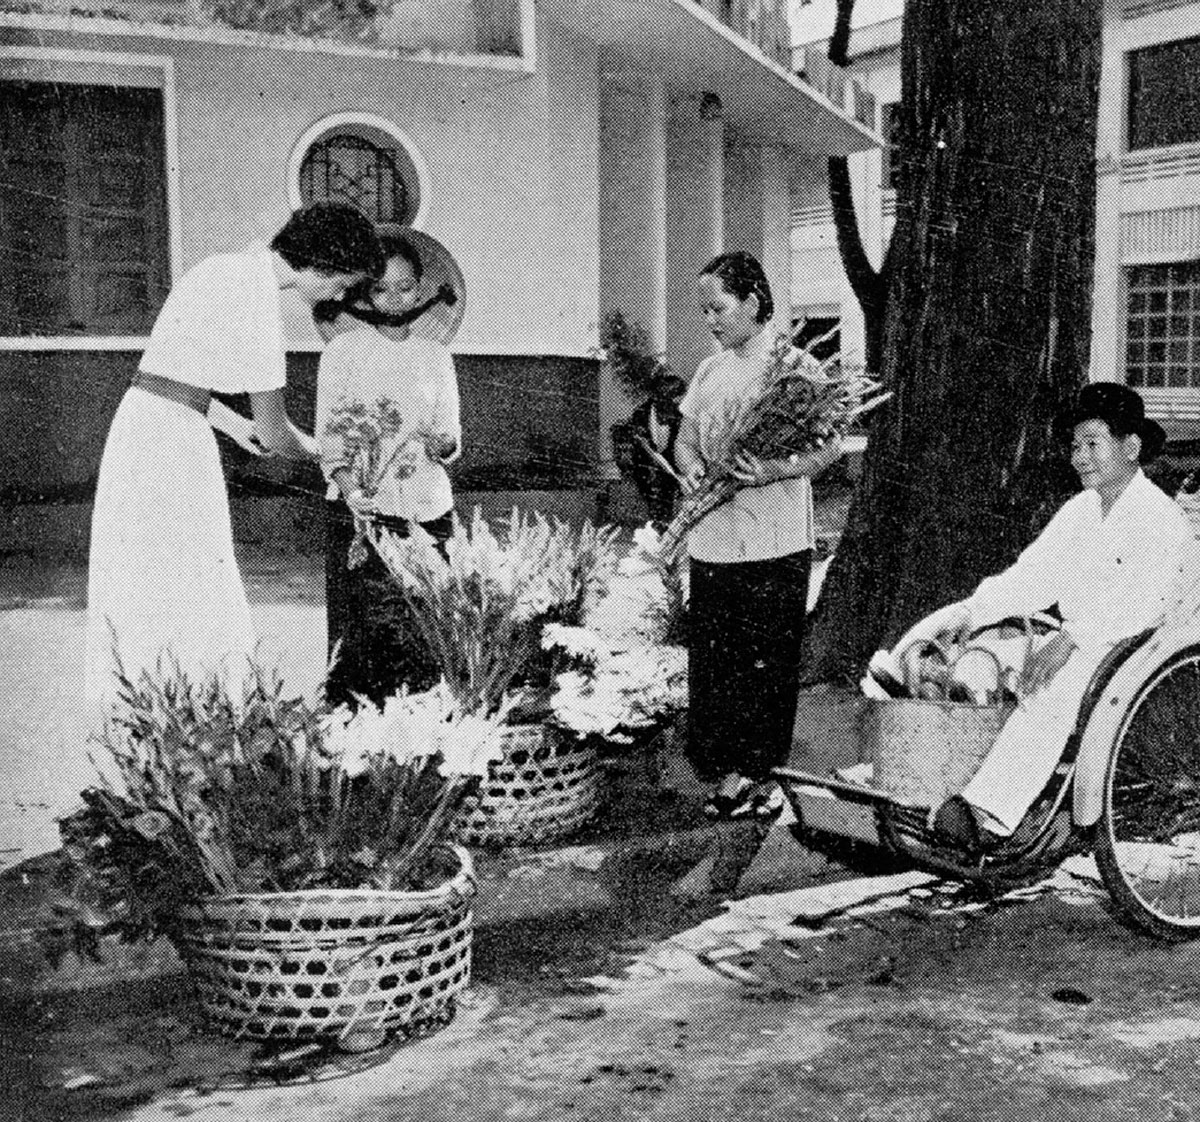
pixel 221 327
pixel 758 523
pixel 417 375
pixel 1111 577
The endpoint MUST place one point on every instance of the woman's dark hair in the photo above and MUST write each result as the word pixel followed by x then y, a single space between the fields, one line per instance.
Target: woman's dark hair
pixel 330 238
pixel 742 276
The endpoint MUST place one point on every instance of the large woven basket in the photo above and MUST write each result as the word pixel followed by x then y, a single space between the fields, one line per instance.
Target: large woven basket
pixel 926 751
pixel 334 963
pixel 545 786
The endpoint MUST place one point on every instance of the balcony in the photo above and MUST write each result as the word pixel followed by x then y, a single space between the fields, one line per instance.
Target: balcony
pixel 814 69
pixel 423 28
pixel 694 51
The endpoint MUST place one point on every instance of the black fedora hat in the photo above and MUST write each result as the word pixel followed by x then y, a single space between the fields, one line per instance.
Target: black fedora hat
pixel 1119 407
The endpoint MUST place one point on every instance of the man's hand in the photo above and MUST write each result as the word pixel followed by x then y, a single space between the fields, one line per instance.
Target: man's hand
pixel 955 627
pixel 1045 662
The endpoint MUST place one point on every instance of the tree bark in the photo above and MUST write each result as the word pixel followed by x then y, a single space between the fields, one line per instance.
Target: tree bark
pixel 987 328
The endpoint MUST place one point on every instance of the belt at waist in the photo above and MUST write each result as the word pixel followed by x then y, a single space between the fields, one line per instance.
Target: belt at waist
pixel 192 397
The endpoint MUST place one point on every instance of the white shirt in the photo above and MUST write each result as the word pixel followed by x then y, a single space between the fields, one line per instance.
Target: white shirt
pixel 221 327
pixel 1111 577
pixel 417 374
pixel 758 523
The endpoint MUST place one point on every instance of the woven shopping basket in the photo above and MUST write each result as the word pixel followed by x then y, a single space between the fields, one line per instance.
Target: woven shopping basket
pixel 332 963
pixel 926 751
pixel 545 786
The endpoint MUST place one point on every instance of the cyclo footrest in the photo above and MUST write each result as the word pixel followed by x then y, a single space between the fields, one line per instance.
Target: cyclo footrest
pixel 832 805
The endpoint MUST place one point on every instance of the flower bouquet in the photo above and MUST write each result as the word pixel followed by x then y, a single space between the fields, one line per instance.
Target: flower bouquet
pixel 255 805
pixel 803 404
pixel 366 431
pixel 482 611
pixel 619 688
pixel 627 668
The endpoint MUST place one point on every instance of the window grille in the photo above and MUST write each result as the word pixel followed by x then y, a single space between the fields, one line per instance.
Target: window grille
pixel 1162 347
pixel 348 168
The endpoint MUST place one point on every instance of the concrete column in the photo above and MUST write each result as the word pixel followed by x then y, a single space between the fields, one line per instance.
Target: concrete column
pixel 633 223
pixel 695 224
pixel 758 205
pixel 1108 312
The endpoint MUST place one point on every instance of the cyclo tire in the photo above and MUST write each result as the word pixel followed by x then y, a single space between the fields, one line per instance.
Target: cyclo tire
pixel 1152 798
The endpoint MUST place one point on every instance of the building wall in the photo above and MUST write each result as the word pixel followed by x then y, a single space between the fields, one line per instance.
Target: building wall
pixel 512 161
pixel 241 110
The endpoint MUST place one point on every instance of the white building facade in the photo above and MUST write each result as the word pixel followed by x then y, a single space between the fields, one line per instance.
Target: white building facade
pixel 575 156
pixel 1146 298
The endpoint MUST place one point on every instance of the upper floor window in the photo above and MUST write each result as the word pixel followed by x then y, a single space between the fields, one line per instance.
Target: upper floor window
pixel 83 209
pixel 1164 94
pixel 1162 328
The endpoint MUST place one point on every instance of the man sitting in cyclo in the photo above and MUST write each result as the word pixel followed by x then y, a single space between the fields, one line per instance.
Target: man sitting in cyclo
pixel 1111 561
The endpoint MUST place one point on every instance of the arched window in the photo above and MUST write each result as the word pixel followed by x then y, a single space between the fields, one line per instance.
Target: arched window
pixel 363 160
pixel 350 169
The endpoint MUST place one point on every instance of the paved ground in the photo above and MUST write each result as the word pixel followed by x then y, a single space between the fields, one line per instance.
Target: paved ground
pixel 44 730
pixel 888 997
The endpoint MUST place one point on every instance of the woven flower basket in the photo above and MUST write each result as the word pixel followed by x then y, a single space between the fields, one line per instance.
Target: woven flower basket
pixel 332 964
pixel 544 788
pixel 926 751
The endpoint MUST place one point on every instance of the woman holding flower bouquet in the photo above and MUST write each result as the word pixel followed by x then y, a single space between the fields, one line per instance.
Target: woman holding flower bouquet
pixel 388 423
pixel 750 555
pixel 162 577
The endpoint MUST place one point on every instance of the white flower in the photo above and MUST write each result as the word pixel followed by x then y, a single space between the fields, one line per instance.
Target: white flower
pixel 469 745
pixel 578 642
pixel 647 539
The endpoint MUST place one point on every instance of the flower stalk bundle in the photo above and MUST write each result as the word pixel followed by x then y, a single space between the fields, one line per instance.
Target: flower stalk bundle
pixel 803 404
pixel 366 429
pixel 218 793
pixel 481 608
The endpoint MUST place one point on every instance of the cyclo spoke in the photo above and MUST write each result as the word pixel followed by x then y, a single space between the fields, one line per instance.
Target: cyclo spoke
pixel 1155 796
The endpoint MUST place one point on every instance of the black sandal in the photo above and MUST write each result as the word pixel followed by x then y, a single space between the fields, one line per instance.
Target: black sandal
pixel 728 796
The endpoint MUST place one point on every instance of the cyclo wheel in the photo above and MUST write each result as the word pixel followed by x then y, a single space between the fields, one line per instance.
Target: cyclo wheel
pixel 1148 839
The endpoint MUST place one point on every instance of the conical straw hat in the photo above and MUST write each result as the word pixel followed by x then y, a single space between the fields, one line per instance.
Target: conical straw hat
pixel 442 321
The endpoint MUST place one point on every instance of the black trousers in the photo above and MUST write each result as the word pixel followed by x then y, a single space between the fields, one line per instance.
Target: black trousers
pixel 745 627
pixel 372 633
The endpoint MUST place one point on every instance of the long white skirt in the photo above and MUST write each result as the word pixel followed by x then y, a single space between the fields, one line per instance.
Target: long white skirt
pixel 162 577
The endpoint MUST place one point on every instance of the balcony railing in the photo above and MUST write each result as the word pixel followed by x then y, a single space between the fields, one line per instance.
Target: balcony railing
pixel 437 27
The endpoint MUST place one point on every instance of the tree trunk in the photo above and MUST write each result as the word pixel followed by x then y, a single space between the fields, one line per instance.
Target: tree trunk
pixel 868 284
pixel 987 327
